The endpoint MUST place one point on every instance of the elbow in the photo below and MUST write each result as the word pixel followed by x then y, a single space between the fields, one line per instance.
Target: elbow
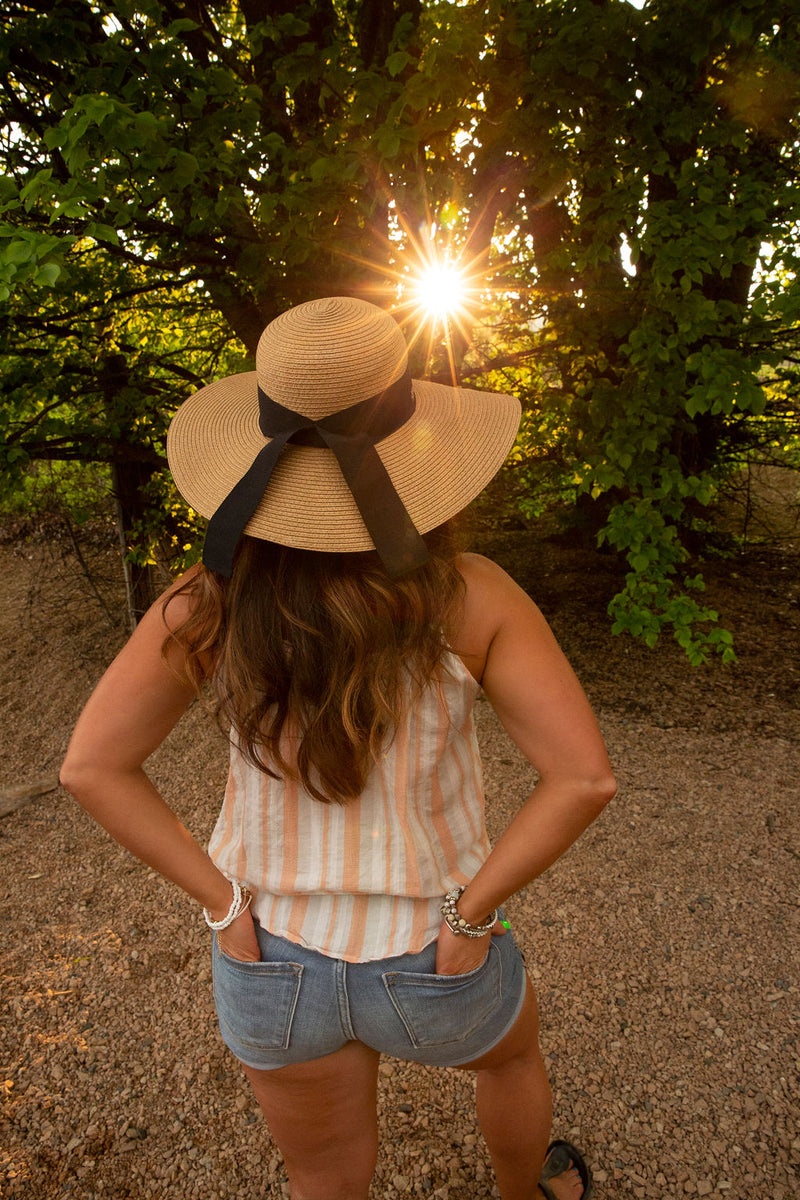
pixel 77 777
pixel 607 790
pixel 69 777
pixel 584 793
pixel 90 778
pixel 598 791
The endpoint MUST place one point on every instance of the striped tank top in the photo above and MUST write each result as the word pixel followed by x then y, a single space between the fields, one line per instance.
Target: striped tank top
pixel 365 880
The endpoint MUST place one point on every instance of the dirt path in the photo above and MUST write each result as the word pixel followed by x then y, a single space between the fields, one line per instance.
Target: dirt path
pixel 664 946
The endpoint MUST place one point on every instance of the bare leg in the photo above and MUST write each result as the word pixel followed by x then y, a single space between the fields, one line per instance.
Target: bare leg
pixel 515 1111
pixel 323 1116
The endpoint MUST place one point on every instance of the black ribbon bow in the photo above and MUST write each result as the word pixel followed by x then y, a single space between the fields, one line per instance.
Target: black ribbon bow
pixel 352 435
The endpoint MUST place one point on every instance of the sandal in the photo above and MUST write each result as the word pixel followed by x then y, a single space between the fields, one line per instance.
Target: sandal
pixel 560 1157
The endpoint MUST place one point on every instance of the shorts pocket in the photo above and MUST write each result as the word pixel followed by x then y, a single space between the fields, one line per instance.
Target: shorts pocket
pixel 439 1009
pixel 255 1001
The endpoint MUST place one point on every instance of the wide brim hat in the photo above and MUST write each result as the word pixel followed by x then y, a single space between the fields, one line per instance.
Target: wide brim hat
pixel 319 360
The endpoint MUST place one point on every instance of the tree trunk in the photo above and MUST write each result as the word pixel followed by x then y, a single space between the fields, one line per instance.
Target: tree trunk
pixel 129 480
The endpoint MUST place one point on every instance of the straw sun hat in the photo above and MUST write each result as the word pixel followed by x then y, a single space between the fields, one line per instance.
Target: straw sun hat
pixel 330 445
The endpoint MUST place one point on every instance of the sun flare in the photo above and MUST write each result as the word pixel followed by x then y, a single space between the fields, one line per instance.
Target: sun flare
pixel 440 290
pixel 433 285
pixel 439 301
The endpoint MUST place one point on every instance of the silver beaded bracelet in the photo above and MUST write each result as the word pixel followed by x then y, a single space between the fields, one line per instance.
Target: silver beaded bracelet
pixel 456 923
pixel 240 902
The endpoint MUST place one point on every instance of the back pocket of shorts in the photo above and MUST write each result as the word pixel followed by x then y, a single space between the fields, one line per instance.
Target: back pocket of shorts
pixel 439 1009
pixel 256 1001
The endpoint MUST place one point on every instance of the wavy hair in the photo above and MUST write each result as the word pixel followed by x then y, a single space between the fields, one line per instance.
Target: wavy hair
pixel 317 656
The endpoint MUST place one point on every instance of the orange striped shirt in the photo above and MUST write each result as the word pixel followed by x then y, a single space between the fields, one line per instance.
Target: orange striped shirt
pixel 365 880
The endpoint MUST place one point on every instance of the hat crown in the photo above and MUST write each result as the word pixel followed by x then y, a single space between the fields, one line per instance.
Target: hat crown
pixel 326 355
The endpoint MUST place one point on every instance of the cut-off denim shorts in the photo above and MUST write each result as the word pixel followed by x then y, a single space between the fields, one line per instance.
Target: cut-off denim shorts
pixel 297 1004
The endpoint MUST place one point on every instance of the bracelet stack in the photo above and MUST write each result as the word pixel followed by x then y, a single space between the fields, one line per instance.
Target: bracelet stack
pixel 456 923
pixel 241 901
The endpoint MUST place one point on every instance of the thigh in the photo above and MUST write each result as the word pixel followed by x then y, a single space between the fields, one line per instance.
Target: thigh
pixel 323 1117
pixel 521 1041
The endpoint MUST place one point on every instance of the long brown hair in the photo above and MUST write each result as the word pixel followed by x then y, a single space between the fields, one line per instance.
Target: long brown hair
pixel 317 656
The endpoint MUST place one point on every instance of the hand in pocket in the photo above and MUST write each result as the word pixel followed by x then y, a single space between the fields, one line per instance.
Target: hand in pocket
pixel 239 939
pixel 457 954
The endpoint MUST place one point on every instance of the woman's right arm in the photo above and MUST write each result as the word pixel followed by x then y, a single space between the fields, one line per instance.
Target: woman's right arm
pixel 134 706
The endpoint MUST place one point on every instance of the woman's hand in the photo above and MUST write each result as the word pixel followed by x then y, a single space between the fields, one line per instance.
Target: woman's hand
pixel 239 939
pixel 457 954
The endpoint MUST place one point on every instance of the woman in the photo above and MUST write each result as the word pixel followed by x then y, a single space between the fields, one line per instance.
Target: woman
pixel 349 881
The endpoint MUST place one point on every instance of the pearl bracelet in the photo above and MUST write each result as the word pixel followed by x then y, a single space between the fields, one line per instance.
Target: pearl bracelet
pixel 240 902
pixel 456 923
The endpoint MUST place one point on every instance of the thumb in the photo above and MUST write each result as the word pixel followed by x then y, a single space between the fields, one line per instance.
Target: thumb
pixel 500 926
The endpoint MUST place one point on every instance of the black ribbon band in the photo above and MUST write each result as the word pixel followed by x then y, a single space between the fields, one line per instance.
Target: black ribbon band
pixel 352 435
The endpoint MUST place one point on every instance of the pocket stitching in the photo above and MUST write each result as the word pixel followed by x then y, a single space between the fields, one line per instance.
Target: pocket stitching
pixel 293 971
pixel 441 981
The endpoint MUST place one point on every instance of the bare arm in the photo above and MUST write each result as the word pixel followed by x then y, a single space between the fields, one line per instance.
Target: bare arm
pixel 134 706
pixel 539 701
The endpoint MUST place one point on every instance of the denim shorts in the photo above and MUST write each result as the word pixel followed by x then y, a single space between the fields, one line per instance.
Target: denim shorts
pixel 297 1004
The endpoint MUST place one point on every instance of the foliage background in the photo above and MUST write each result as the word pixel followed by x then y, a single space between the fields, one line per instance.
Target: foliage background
pixel 620 185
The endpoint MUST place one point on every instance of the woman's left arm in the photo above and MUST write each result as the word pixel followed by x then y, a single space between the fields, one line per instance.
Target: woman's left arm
pixel 542 706
pixel 134 706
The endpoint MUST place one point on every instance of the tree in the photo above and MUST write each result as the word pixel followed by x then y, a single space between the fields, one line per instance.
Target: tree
pixel 654 380
pixel 91 373
pixel 228 161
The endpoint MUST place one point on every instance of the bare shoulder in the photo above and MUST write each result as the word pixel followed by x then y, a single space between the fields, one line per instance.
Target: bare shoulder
pixel 174 606
pixel 484 577
pixel 525 675
pixel 151 646
pixel 489 586
pixel 164 619
pixel 491 599
pixel 141 695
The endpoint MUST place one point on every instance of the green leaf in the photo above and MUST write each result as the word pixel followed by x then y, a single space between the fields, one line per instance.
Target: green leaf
pixel 17 251
pixel 104 233
pixel 185 167
pixel 182 25
pixel 47 274
pixel 397 62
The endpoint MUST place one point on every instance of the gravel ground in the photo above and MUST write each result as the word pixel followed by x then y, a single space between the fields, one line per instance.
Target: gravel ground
pixel 663 947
